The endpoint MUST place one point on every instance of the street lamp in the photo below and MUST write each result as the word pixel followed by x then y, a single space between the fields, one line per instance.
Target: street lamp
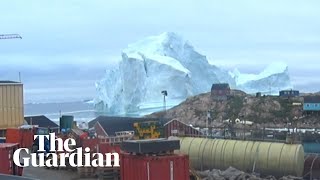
pixel 164 93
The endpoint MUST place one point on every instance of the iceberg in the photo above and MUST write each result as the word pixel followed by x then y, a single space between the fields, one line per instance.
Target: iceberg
pixel 168 62
pixel 271 80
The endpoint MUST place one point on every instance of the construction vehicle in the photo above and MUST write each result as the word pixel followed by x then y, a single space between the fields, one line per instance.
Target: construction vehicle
pixel 148 130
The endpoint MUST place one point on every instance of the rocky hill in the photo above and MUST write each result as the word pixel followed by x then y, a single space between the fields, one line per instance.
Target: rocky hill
pixel 270 111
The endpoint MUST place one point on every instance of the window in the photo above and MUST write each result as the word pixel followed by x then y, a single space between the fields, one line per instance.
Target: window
pixel 308 105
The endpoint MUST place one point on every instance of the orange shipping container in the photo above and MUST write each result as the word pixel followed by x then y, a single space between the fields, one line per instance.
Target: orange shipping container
pixel 24 137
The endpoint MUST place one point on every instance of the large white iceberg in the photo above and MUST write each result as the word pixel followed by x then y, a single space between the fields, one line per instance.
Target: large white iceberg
pixel 271 80
pixel 168 62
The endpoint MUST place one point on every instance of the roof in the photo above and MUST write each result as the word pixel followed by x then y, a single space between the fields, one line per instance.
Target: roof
pixel 41 121
pixel 220 86
pixel 311 99
pixel 9 82
pixel 181 123
pixel 111 125
pixel 289 90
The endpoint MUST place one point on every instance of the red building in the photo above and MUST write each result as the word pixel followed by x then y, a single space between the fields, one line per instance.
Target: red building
pixel 111 126
pixel 178 128
pixel 220 91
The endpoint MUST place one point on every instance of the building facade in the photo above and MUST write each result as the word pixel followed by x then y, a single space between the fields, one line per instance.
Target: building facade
pixel 11 104
pixel 289 93
pixel 220 91
pixel 311 103
pixel 178 128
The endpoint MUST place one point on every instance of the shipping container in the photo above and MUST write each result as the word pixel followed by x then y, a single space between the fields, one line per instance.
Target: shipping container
pixel 311 147
pixel 22 136
pixel 66 123
pixel 91 143
pixel 11 104
pixel 7 165
pixel 144 167
pixel 101 145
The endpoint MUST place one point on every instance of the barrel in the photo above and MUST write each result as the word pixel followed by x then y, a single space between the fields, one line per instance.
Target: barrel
pixel 66 123
pixel 266 158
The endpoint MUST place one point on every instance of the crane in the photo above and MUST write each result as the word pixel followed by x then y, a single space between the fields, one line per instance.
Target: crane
pixel 10 36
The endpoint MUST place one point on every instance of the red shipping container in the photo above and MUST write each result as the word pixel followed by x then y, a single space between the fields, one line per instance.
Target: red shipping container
pixel 92 143
pixel 7 165
pixel 22 136
pixel 27 136
pixel 165 167
pixel 109 148
pixel 12 135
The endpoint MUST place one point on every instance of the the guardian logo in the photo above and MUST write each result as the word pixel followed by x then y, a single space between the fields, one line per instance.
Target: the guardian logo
pixel 62 153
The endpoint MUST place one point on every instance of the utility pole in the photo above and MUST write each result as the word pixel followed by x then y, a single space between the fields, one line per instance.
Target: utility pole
pixel 19 76
pixel 207 123
pixel 164 93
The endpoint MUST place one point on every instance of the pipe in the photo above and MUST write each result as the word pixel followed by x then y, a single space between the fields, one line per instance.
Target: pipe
pixel 266 158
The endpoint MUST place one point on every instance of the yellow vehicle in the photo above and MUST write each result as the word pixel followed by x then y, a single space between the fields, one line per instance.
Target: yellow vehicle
pixel 148 130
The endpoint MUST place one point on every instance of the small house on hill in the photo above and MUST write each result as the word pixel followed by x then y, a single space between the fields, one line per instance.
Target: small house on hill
pixel 42 122
pixel 220 91
pixel 110 126
pixel 289 93
pixel 311 104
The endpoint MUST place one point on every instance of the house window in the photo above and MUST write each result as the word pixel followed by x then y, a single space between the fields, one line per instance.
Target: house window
pixel 308 105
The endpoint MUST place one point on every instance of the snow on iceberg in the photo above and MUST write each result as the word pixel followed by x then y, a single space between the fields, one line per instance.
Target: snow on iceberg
pixel 164 62
pixel 271 80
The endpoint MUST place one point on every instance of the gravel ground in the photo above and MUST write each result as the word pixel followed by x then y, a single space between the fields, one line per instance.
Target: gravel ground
pixel 49 174
pixel 42 173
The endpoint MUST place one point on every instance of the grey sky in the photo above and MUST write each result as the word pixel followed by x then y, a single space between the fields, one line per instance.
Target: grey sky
pixel 247 34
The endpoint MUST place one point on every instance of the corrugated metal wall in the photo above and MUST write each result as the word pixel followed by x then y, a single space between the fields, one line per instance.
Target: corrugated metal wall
pixel 11 105
pixel 267 158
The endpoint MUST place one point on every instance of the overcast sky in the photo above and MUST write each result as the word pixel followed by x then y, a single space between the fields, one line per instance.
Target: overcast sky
pixel 247 34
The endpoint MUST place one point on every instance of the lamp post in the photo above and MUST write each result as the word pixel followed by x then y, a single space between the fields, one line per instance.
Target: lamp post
pixel 164 93
pixel 207 123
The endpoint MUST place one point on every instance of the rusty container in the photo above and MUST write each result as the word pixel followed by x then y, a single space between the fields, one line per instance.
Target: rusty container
pixel 7 165
pixel 154 167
